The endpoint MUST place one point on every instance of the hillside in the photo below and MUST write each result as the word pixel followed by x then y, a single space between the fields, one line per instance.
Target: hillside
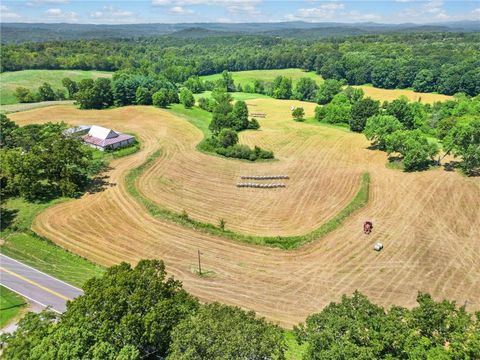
pixel 38 32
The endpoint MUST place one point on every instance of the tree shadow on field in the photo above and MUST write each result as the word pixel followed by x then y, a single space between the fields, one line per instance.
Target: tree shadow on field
pixel 100 182
pixel 6 217
pixel 373 146
pixel 451 166
pixel 457 165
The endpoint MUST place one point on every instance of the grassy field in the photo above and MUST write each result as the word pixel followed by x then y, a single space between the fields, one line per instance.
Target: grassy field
pixel 196 116
pixel 32 79
pixel 11 305
pixel 248 77
pixel 424 245
pixel 235 95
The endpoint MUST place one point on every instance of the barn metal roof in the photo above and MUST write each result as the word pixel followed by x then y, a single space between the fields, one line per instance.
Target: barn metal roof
pixel 102 133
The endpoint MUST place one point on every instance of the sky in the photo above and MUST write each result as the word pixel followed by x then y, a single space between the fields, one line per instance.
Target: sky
pixel 234 11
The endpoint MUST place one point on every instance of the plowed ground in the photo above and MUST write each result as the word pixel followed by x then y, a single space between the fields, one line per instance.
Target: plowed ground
pixel 429 221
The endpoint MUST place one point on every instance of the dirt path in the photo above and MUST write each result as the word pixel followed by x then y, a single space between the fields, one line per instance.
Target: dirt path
pixel 429 222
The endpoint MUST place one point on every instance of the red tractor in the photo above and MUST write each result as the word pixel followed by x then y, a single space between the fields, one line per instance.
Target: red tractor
pixel 367 227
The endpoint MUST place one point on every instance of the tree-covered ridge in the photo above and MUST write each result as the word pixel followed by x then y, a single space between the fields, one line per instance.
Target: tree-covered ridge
pixel 444 62
pixel 141 313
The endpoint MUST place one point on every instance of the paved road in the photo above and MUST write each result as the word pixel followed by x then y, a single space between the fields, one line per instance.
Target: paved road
pixel 36 285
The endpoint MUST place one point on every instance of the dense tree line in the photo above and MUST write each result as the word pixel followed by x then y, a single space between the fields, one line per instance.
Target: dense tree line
pixel 444 62
pixel 141 313
pixel 40 161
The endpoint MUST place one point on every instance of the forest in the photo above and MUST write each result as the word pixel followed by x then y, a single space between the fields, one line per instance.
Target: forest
pixel 446 63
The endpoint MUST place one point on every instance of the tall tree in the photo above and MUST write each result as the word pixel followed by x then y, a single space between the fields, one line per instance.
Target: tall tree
pixel 416 150
pixel 160 98
pixel 463 140
pixel 306 89
pixel 239 116
pixel 361 111
pixel 282 87
pixel 327 90
pixel 402 111
pixel 45 92
pixel 186 98
pixel 378 127
pixel 71 86
pixel 218 332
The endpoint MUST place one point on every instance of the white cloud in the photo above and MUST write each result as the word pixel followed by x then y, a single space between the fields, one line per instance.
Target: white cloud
pixel 60 15
pixel 331 11
pixel 7 14
pixel 326 11
pixel 50 2
pixel 429 11
pixel 248 7
pixel 358 16
pixel 111 14
pixel 180 10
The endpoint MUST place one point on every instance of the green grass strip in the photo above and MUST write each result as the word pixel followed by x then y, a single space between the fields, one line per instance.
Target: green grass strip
pixel 283 242
pixel 11 305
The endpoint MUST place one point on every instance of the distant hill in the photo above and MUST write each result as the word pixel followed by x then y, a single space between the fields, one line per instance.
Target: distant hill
pixel 26 32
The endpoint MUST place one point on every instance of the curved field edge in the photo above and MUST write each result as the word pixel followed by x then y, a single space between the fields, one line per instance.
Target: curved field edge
pixel 24 244
pixel 282 242
pixel 201 119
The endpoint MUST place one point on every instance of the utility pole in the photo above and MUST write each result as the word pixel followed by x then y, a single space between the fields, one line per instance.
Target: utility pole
pixel 199 264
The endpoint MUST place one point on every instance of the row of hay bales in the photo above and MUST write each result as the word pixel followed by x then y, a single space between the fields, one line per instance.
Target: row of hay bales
pixel 264 177
pixel 262 186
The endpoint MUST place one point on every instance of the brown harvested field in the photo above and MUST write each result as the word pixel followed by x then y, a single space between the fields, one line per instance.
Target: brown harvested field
pixel 392 94
pixel 205 186
pixel 428 221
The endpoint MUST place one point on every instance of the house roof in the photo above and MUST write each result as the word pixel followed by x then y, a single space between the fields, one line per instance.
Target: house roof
pixel 76 129
pixel 106 142
pixel 102 133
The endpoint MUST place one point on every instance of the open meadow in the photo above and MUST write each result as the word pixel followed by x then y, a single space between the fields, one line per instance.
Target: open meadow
pixel 249 76
pixel 32 79
pixel 428 221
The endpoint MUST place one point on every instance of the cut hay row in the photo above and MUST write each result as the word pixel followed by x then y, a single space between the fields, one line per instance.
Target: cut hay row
pixel 259 115
pixel 261 186
pixel 264 177
pixel 426 248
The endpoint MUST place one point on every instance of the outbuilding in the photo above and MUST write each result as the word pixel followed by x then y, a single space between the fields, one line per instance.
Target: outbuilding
pixel 106 139
pixel 78 130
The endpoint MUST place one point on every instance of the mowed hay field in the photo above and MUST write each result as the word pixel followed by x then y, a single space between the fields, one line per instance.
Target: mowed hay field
pixel 32 79
pixel 392 94
pixel 428 221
